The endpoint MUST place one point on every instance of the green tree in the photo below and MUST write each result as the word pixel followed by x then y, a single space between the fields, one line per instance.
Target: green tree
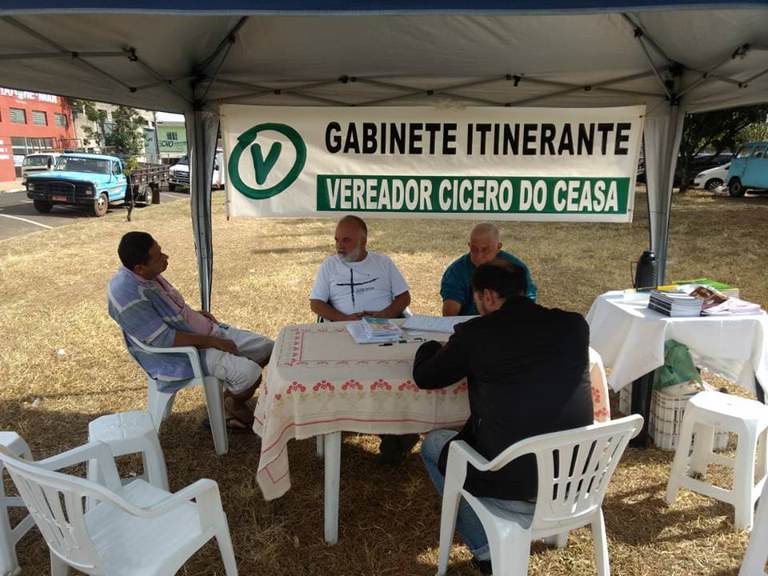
pixel 93 136
pixel 126 137
pixel 753 132
pixel 716 131
pixel 122 136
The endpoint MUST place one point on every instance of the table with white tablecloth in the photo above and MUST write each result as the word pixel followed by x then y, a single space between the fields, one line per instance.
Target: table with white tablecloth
pixel 319 383
pixel 630 340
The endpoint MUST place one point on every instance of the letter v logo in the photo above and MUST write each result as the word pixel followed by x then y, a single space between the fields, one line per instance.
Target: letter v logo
pixel 262 166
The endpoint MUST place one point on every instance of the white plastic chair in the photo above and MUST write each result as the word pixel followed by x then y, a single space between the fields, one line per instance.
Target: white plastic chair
pixel 574 468
pixel 9 537
pixel 757 551
pixel 132 530
pixel 160 403
pixel 705 414
pixel 130 433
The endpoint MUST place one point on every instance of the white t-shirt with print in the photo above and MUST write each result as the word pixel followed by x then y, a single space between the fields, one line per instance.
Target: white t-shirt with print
pixel 371 284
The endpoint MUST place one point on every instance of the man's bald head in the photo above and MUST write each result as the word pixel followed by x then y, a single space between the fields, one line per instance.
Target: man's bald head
pixel 484 243
pixel 351 238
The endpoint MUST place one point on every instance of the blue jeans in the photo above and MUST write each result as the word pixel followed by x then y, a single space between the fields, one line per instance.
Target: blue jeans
pixel 467 523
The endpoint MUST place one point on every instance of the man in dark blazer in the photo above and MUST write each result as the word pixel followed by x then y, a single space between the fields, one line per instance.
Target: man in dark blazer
pixel 527 369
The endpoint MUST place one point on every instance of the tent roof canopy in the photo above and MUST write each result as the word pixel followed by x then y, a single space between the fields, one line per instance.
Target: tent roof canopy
pixel 704 55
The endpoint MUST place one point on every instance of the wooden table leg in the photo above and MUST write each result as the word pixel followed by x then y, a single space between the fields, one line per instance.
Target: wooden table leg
pixel 332 449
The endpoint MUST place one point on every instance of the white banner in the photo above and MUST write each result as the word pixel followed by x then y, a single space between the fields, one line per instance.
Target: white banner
pixel 496 163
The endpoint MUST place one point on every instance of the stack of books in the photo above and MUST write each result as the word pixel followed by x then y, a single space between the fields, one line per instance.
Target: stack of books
pixel 381 329
pixel 674 303
pixel 721 287
pixel 714 303
pixel 370 330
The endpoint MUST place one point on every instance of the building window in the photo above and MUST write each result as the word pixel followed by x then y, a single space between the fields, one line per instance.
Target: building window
pixel 22 146
pixel 18 116
pixel 60 120
pixel 19 146
pixel 39 118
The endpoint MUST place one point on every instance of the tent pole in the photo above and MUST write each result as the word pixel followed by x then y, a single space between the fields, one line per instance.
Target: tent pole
pixel 662 141
pixel 201 158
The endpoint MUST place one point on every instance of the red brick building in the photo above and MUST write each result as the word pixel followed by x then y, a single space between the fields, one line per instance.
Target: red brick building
pixel 31 122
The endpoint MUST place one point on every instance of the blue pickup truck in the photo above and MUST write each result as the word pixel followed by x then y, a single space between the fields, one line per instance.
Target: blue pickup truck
pixel 94 181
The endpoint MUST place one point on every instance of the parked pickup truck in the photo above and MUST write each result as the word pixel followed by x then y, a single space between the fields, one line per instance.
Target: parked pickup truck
pixel 178 176
pixel 38 162
pixel 95 181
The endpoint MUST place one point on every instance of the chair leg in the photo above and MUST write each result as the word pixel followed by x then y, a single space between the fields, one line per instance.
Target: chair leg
pixel 9 564
pixel 703 445
pixel 224 541
pixel 680 463
pixel 510 548
pixel 558 540
pixel 58 566
pixel 448 515
pixel 154 464
pixel 601 545
pixel 214 401
pixel 757 553
pixel 159 404
pixel 319 446
pixel 744 480
pixel 761 460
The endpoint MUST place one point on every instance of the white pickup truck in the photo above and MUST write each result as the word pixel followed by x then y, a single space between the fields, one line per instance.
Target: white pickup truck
pixel 178 175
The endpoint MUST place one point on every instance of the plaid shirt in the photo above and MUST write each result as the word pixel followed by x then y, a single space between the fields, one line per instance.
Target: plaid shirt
pixel 142 311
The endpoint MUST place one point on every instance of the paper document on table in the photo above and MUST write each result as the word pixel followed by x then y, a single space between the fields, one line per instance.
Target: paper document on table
pixel 434 323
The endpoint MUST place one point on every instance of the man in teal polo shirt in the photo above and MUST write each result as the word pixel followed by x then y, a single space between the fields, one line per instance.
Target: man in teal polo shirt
pixel 456 286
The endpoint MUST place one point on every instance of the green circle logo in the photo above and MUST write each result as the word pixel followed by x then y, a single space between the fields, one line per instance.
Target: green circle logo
pixel 262 165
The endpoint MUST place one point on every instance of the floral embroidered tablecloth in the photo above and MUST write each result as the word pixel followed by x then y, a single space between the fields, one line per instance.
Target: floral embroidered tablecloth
pixel 319 381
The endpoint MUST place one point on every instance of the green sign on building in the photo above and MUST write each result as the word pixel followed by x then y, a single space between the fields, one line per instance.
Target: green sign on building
pixel 172 139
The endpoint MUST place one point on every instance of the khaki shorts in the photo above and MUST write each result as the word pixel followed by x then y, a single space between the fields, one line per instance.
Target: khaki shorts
pixel 238 372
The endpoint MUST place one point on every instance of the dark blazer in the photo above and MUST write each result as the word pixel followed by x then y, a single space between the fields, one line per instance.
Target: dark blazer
pixel 528 373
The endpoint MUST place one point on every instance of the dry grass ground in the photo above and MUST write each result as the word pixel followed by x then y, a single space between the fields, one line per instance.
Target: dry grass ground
pixel 62 364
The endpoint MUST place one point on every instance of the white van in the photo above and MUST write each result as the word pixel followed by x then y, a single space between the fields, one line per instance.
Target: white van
pixel 39 162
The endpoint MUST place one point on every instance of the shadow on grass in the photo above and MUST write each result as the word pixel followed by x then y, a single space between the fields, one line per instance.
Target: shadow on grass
pixel 642 517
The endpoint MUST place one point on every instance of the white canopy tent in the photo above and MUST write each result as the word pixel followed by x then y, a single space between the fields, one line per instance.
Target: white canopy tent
pixel 189 57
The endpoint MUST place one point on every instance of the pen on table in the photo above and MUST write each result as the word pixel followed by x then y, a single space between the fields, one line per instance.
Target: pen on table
pixel 402 341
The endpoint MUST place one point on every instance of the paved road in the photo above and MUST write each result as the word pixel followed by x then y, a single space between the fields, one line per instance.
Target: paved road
pixel 18 216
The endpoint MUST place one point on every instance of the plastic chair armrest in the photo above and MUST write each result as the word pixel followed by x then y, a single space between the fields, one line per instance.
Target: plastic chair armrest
pixel 465 454
pixel 199 490
pixel 98 451
pixel 192 352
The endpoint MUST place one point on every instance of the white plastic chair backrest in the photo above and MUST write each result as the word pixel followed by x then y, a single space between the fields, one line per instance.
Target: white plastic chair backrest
pixel 574 468
pixel 56 501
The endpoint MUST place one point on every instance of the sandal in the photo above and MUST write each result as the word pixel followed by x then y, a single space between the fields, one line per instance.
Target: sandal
pixel 242 414
pixel 233 424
